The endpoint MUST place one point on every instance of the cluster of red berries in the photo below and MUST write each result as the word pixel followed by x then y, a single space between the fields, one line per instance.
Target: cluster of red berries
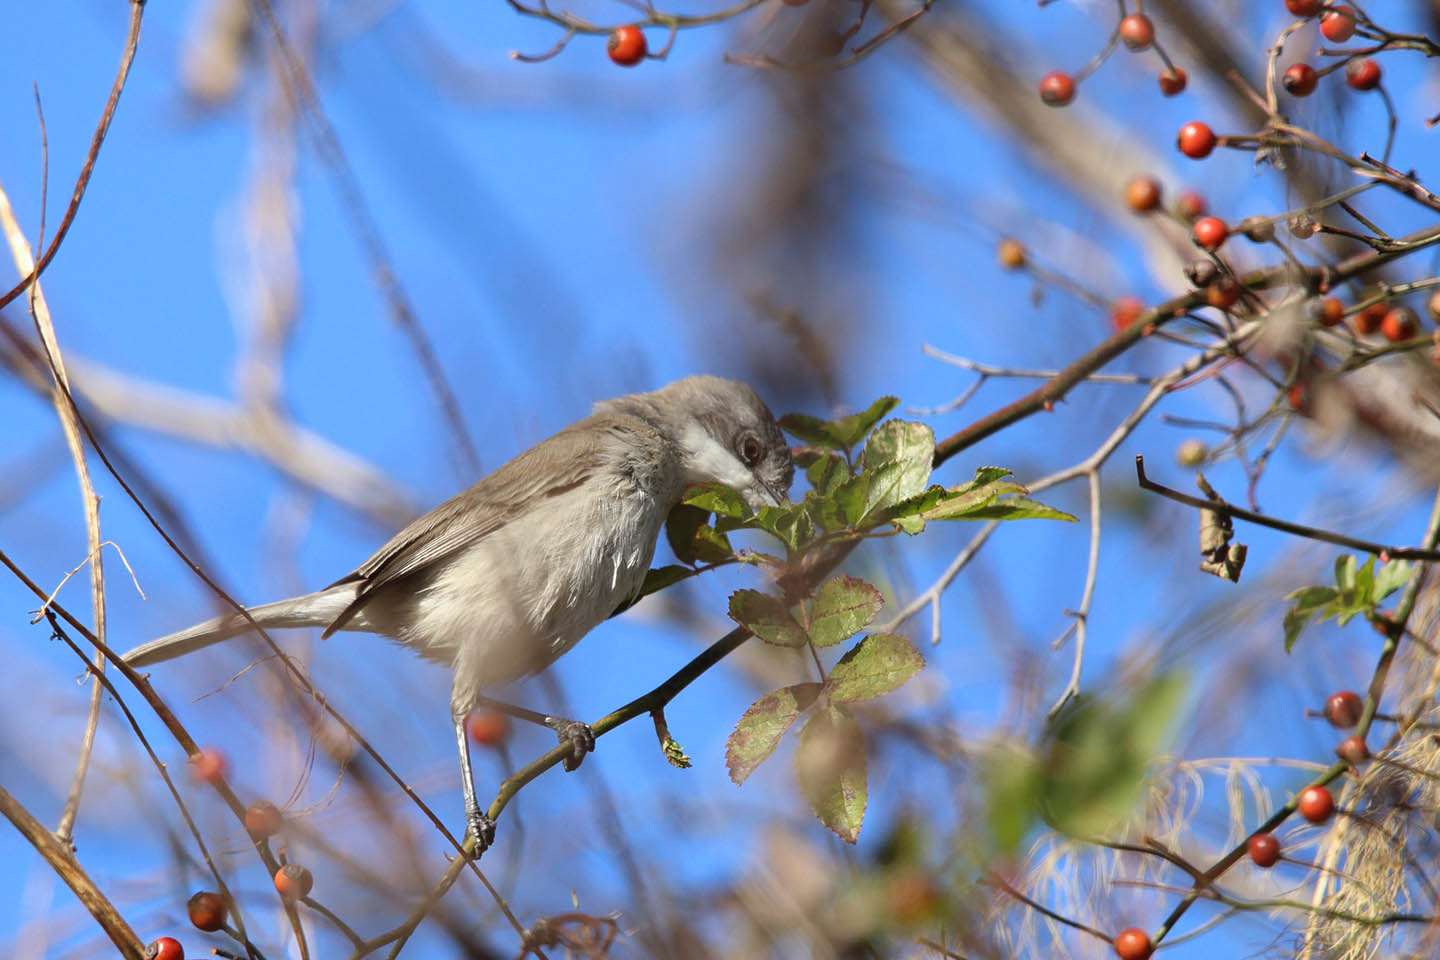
pixel 1137 32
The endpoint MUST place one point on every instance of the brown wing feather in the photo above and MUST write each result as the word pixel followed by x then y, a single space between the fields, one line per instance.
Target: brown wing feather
pixel 547 469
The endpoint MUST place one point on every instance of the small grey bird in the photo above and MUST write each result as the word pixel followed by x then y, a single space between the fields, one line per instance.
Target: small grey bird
pixel 500 580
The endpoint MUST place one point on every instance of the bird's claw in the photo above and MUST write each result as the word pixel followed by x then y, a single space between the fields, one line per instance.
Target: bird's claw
pixel 579 737
pixel 482 829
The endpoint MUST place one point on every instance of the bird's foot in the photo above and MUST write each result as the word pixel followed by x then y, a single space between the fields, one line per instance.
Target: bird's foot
pixel 579 737
pixel 482 829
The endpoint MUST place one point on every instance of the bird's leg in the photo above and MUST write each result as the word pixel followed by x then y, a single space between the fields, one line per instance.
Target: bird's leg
pixel 574 733
pixel 477 823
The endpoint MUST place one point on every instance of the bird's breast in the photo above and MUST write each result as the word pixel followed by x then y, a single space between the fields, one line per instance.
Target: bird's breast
pixel 527 593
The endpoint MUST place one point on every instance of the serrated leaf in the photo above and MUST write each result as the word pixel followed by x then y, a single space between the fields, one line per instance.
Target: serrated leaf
pixel 875 666
pixel 1391 577
pixel 763 725
pixel 766 617
pixel 897 458
pixel 839 434
pixel 984 475
pixel 713 498
pixel 1306 604
pixel 1098 755
pixel 850 499
pixel 990 496
pixel 807 456
pixel 827 473
pixel 852 429
pixel 842 606
pixel 830 768
pixel 1017 508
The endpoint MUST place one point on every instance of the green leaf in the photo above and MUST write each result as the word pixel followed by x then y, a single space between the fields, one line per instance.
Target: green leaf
pixel 1012 795
pixel 1345 572
pixel 767 617
pixel 984 475
pixel 713 498
pixel 1017 508
pixel 1359 590
pixel 830 768
pixel 1391 577
pixel 694 540
pixel 763 725
pixel 896 463
pixel 1097 757
pixel 1306 604
pixel 656 579
pixel 839 434
pixel 842 606
pixel 880 663
pixel 827 473
pixel 680 529
pixel 990 496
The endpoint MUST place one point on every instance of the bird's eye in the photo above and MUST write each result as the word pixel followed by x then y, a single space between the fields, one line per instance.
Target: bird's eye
pixel 750 449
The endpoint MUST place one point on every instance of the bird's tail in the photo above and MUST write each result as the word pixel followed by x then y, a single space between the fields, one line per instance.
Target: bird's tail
pixel 310 610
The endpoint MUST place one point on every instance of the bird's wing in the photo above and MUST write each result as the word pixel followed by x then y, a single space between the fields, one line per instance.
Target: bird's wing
pixel 551 467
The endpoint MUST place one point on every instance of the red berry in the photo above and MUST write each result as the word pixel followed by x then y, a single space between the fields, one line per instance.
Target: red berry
pixel 207 911
pixel 1190 205
pixel 1368 321
pixel 626 45
pixel 262 819
pixel 1172 81
pixel 1363 74
pixel 1137 31
pixel 1125 311
pixel 293 882
pixel 209 766
pixel 1303 8
pixel 1353 751
pixel 1210 232
pixel 1299 79
pixel 488 728
pixel 1264 849
pixel 1195 140
pixel 1343 709
pixel 1399 323
pixel 1142 194
pixel 1316 804
pixel 1298 396
pixel 1339 24
pixel 166 948
pixel 1133 944
pixel 1057 89
pixel 1331 312
pixel 1223 293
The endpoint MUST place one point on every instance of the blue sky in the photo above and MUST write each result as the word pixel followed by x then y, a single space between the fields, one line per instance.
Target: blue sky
pixel 554 229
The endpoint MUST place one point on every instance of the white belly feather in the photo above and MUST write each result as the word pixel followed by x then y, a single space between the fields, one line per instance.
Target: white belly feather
pixel 529 591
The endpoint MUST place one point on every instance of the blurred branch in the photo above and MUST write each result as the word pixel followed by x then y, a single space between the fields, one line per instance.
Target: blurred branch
pixel 63 862
pixel 1054 391
pixel 306 99
pixel 90 503
pixel 132 42
pixel 291 450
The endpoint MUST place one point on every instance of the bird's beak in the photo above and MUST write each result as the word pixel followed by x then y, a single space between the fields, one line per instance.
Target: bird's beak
pixel 761 494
